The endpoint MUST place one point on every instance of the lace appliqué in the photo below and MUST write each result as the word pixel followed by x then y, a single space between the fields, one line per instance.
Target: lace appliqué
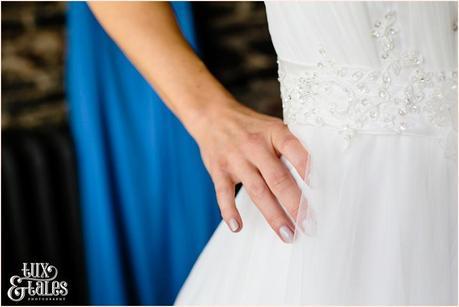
pixel 401 97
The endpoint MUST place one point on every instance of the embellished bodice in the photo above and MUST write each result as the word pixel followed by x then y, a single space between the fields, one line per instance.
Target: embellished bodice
pixel 385 67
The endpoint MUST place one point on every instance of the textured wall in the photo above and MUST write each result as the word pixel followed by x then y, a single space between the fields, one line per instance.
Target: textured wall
pixel 32 63
pixel 233 35
pixel 238 50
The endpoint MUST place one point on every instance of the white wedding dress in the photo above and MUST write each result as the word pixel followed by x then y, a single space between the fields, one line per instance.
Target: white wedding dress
pixel 370 89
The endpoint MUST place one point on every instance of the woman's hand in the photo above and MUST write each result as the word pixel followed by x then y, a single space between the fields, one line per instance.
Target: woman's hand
pixel 237 144
pixel 241 145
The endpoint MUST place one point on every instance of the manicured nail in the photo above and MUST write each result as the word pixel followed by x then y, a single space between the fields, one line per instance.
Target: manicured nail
pixel 233 225
pixel 286 234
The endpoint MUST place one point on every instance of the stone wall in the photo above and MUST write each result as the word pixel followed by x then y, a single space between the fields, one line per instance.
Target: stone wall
pixel 32 63
pixel 233 36
pixel 238 50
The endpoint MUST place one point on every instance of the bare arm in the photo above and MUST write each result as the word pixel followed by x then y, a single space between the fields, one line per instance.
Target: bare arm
pixel 236 143
pixel 148 34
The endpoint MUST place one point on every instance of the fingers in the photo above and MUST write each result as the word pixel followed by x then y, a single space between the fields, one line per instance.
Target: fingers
pixel 266 202
pixel 253 159
pixel 289 146
pixel 224 188
pixel 278 179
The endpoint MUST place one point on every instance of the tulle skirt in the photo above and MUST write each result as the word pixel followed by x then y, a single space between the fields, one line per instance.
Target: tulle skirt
pixel 377 225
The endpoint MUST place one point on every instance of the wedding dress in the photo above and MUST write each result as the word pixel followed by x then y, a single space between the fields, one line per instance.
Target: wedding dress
pixel 370 89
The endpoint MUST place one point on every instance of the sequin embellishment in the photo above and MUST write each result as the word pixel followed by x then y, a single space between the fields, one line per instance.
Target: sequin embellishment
pixel 401 97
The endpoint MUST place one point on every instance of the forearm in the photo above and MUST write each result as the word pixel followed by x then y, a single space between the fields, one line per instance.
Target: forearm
pixel 148 34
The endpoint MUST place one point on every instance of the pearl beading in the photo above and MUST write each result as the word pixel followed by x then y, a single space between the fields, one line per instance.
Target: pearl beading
pixel 402 97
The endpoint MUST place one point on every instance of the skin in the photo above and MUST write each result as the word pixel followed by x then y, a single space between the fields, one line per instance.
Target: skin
pixel 236 143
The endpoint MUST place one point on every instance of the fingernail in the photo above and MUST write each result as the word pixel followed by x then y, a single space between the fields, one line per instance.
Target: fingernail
pixel 286 234
pixel 233 225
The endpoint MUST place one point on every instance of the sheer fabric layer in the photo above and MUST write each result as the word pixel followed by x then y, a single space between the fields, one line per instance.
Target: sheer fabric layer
pixel 378 216
pixel 385 231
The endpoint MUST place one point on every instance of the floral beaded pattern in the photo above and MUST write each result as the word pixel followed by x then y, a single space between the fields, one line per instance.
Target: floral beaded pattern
pixel 401 97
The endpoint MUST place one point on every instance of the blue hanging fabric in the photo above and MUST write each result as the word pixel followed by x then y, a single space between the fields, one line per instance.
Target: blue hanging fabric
pixel 148 204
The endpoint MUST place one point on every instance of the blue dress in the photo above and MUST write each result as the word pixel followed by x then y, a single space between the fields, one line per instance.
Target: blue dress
pixel 148 204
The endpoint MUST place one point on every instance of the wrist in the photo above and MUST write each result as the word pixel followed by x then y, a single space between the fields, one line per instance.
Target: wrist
pixel 210 116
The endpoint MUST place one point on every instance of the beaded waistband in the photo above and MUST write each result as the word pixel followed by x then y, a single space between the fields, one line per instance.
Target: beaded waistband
pixel 402 98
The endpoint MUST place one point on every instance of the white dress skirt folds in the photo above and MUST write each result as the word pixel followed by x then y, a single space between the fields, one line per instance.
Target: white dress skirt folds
pixel 370 89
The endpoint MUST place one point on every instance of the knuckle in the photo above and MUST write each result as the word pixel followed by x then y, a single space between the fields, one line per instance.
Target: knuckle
pixel 212 162
pixel 223 190
pixel 280 180
pixel 254 139
pixel 257 189
pixel 222 164
pixel 278 124
pixel 288 141
pixel 226 212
